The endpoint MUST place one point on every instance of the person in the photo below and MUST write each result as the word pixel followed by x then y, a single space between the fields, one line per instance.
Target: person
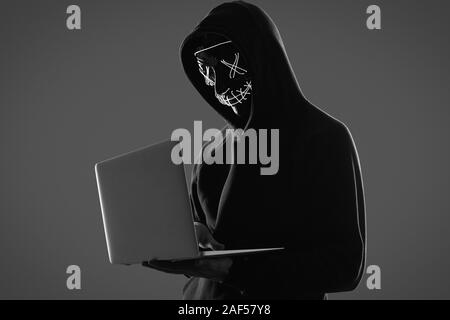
pixel 313 206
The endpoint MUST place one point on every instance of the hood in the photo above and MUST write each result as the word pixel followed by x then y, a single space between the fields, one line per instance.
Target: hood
pixel 275 91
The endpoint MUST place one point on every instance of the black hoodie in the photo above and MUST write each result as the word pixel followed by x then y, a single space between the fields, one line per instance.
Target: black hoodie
pixel 313 206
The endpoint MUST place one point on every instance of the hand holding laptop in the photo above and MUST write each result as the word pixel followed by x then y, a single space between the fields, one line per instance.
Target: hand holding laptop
pixel 205 238
pixel 214 268
pixel 211 268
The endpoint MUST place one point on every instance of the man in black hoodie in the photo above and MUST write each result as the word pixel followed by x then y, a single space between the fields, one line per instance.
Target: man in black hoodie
pixel 313 206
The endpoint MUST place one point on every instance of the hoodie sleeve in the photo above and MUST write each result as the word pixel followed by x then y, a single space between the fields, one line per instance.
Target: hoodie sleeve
pixel 196 208
pixel 327 254
pixel 198 214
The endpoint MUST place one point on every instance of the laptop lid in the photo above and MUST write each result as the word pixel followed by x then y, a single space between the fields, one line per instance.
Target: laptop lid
pixel 145 206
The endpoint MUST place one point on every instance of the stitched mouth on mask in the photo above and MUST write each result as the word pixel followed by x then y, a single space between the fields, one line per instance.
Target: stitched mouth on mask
pixel 233 97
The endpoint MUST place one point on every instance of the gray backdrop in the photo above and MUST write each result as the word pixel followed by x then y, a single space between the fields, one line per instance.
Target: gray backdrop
pixel 71 98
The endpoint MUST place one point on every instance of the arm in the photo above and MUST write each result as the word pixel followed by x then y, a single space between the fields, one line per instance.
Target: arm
pixel 198 214
pixel 212 268
pixel 327 254
pixel 205 241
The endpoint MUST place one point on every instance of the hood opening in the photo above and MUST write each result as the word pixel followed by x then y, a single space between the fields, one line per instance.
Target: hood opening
pixel 203 40
pixel 275 91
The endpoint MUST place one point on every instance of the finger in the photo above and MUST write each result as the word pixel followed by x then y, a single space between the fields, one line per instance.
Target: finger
pixel 154 265
pixel 173 266
pixel 159 268
pixel 148 265
pixel 167 263
pixel 204 245
pixel 202 235
pixel 215 245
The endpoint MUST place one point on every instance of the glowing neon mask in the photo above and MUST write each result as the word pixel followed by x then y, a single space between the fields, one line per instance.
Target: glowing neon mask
pixel 223 68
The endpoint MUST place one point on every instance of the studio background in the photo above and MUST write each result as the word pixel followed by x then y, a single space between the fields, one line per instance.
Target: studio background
pixel 69 99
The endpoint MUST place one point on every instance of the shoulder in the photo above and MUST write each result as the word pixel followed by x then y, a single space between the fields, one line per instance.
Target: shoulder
pixel 325 129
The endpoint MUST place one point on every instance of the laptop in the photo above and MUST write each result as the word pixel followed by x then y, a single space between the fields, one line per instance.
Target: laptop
pixel 146 210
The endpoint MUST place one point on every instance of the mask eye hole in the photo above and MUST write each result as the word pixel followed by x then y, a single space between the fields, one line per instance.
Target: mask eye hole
pixel 234 67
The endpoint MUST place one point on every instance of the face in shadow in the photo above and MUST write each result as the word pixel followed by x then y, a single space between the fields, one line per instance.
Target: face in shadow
pixel 224 69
